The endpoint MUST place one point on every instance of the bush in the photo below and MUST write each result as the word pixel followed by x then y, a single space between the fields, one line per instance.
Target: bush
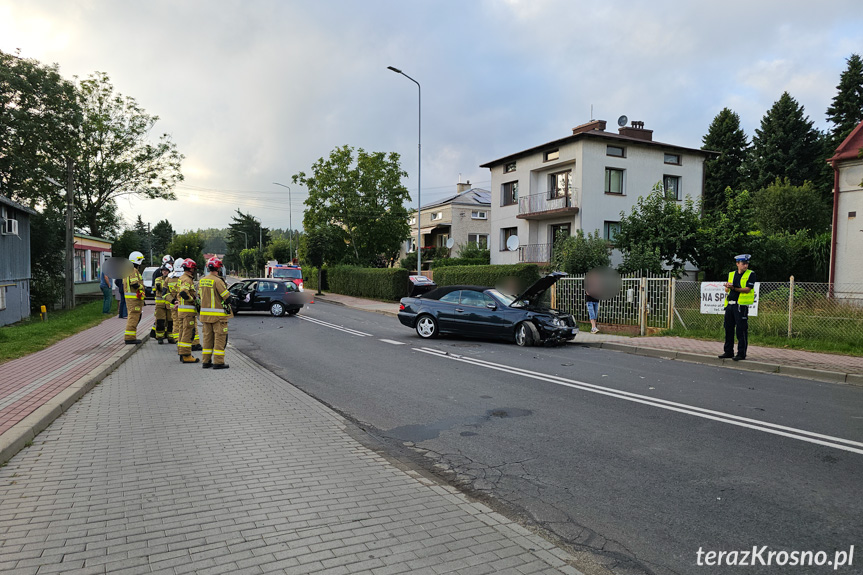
pixel 377 283
pixel 524 275
pixel 310 279
pixel 447 262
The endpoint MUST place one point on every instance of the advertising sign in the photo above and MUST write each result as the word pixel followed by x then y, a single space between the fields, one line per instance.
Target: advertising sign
pixel 713 294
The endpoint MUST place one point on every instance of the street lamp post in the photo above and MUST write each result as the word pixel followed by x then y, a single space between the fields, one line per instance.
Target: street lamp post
pixel 290 224
pixel 419 166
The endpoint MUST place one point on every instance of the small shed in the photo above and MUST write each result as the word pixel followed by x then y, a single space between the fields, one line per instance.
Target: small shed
pixel 15 271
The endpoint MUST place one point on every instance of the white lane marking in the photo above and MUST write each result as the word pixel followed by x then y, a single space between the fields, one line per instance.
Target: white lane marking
pixel 793 433
pixel 334 326
pixel 393 342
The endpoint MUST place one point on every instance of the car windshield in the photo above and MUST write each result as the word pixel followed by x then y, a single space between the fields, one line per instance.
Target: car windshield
pixel 290 274
pixel 507 300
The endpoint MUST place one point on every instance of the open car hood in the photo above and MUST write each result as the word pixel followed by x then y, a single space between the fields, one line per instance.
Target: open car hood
pixel 533 294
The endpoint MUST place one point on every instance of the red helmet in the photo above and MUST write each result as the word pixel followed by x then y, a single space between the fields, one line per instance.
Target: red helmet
pixel 190 264
pixel 214 264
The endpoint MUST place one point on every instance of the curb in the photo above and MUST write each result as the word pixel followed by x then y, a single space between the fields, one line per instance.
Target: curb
pixel 26 430
pixel 763 367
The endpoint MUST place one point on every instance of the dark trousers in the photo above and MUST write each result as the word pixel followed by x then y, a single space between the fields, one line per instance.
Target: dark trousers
pixel 736 319
pixel 106 299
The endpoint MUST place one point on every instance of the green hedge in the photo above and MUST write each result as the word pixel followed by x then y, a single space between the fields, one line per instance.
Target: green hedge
pixel 448 262
pixel 376 283
pixel 310 279
pixel 524 274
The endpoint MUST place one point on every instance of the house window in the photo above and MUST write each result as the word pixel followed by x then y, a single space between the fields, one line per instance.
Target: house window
pixel 613 181
pixel 673 159
pixel 616 151
pixel 559 184
pixel 610 230
pixel 412 221
pixel 437 216
pixel 94 265
pixel 479 215
pixel 441 240
pixel 479 240
pixel 505 234
pixel 509 194
pixel 672 186
pixel 80 265
pixel 510 167
pixel 552 155
pixel 558 231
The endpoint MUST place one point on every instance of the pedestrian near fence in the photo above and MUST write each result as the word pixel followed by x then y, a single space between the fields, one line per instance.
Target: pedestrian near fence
pixel 105 286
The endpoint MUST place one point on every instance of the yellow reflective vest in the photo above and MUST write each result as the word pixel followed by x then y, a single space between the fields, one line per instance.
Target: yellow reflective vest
pixel 742 298
pixel 214 296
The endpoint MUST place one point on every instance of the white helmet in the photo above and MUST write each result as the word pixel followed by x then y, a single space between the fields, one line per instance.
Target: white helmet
pixel 167 266
pixel 167 259
pixel 136 258
pixel 178 268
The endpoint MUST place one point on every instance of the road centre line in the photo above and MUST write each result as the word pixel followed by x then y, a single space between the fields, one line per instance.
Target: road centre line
pixel 791 432
pixel 334 326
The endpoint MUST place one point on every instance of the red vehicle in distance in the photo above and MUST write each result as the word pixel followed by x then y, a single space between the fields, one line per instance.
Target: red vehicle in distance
pixel 285 271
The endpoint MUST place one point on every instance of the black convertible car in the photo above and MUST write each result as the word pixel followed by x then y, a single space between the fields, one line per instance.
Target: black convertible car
pixel 486 312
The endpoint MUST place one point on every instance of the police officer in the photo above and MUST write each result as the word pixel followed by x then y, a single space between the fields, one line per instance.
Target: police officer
pixel 133 294
pixel 186 295
pixel 739 295
pixel 215 311
pixel 160 289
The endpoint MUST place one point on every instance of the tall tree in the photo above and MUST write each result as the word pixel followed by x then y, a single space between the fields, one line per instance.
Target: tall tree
pixel 162 235
pixel 128 242
pixel 364 197
pixel 660 224
pixel 785 146
pixel 188 245
pixel 726 171
pixel 116 156
pixel 783 208
pixel 846 111
pixel 244 232
pixel 724 233
pixel 143 231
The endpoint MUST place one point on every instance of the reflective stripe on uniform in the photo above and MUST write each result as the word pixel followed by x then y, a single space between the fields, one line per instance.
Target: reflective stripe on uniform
pixel 127 332
pixel 184 344
pixel 225 294
pixel 207 351
pixel 187 309
pixel 219 352
pixel 212 311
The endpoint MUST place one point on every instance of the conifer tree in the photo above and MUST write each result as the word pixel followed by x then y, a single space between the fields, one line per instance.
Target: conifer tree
pixel 726 137
pixel 785 146
pixel 846 111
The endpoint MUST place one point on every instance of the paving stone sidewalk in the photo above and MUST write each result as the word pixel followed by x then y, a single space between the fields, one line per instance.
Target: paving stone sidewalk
pixel 169 468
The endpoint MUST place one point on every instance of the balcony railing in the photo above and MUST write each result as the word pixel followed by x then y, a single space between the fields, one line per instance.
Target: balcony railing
pixel 539 203
pixel 534 253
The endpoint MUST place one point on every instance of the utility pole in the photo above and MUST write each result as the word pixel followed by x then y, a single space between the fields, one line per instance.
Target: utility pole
pixel 70 234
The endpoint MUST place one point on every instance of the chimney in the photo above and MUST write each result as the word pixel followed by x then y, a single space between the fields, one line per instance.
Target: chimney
pixel 592 125
pixel 636 130
pixel 460 187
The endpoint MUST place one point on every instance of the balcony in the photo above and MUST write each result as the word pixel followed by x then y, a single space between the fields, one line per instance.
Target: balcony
pixel 541 207
pixel 534 254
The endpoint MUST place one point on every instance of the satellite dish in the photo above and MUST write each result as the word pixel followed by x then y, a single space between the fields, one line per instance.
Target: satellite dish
pixel 512 243
pixel 450 243
pixel 621 121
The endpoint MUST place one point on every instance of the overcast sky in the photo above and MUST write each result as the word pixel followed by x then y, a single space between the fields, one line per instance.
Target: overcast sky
pixel 253 91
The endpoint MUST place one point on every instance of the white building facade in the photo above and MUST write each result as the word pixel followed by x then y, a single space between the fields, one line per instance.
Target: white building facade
pixel 845 268
pixel 583 181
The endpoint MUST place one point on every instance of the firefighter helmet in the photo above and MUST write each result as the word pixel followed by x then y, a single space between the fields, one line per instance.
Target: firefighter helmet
pixel 214 264
pixel 189 264
pixel 167 259
pixel 136 258
pixel 168 267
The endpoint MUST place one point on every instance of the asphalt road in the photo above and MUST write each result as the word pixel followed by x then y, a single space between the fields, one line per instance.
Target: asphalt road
pixel 637 462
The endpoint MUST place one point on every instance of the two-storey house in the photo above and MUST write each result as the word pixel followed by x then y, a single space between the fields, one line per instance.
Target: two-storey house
pixel 463 217
pixel 583 181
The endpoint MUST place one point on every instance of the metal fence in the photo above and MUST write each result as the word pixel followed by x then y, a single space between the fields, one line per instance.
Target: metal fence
pixel 785 309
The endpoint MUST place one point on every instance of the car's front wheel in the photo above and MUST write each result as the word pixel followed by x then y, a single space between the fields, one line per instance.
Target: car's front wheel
pixel 526 334
pixel 427 327
pixel 277 309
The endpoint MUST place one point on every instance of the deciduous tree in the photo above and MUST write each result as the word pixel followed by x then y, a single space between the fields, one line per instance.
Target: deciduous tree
pixel 362 196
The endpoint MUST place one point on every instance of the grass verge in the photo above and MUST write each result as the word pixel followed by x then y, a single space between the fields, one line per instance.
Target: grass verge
pixel 33 334
pixel 764 340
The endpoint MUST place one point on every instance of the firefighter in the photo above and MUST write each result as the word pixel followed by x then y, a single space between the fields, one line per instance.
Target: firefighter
pixel 160 289
pixel 186 296
pixel 133 294
pixel 172 323
pixel 215 311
